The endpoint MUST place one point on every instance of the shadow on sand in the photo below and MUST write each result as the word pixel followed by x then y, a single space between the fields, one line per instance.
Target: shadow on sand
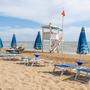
pixel 70 76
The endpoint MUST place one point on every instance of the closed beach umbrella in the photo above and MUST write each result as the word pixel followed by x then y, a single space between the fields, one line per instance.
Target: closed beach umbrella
pixel 82 43
pixel 1 43
pixel 13 42
pixel 38 42
pixel 82 47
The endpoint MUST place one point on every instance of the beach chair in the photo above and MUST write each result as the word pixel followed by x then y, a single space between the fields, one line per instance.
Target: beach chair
pixel 8 56
pixel 18 50
pixel 36 60
pixel 82 70
pixel 29 61
pixel 11 51
pixel 67 66
pixel 78 70
pixel 64 67
pixel 25 60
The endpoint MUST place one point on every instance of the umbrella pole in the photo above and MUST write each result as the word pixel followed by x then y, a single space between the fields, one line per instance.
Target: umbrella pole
pixel 80 57
pixel 83 56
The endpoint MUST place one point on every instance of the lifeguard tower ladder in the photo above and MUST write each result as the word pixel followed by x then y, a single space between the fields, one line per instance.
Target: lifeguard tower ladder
pixel 53 35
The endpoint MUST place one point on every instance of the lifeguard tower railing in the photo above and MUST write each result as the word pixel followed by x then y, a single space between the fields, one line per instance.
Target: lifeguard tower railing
pixel 52 35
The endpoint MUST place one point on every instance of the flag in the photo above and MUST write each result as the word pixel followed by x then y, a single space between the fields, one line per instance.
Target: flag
pixel 63 13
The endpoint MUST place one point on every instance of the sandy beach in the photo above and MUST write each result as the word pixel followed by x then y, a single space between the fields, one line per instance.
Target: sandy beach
pixel 44 44
pixel 15 76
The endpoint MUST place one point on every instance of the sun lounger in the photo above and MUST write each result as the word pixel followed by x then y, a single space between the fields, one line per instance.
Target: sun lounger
pixel 64 67
pixel 25 60
pixel 18 50
pixel 28 60
pixel 82 70
pixel 79 69
pixel 35 61
pixel 9 56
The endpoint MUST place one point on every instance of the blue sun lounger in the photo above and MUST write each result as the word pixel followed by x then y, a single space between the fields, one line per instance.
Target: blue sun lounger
pixel 64 67
pixel 81 70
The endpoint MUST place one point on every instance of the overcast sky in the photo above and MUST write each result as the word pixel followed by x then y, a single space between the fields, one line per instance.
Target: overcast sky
pixel 25 17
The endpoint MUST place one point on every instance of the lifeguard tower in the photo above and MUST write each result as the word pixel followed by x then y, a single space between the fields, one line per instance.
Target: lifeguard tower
pixel 53 35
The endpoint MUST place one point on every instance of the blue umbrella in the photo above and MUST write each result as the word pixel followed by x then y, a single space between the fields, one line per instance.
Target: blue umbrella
pixel 13 42
pixel 38 42
pixel 1 43
pixel 82 43
pixel 82 48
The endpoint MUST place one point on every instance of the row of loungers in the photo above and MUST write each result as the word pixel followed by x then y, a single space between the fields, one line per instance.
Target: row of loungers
pixel 8 56
pixel 62 67
pixel 34 61
pixel 79 69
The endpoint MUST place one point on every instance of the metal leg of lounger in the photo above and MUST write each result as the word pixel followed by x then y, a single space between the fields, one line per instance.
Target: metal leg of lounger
pixel 87 73
pixel 62 72
pixel 54 68
pixel 88 77
pixel 33 62
pixel 76 76
pixel 26 62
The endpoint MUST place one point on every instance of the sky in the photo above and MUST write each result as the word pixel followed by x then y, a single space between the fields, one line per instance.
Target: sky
pixel 25 18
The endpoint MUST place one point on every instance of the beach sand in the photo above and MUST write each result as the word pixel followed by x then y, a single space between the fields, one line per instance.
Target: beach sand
pixel 15 76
